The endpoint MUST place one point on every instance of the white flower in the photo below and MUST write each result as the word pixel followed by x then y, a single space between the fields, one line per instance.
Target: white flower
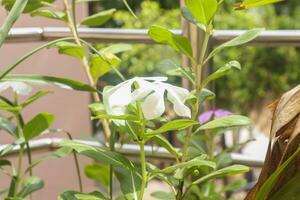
pixel 150 92
pixel 18 87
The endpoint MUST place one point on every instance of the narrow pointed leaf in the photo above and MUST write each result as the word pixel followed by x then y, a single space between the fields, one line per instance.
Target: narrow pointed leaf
pixel 254 3
pixel 160 140
pixel 99 18
pixel 31 184
pixel 8 126
pixel 34 97
pixel 49 14
pixel 57 81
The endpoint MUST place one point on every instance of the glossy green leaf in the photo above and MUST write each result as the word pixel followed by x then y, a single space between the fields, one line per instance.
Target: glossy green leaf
pixel 57 81
pixel 31 5
pixel 166 144
pixel 222 71
pixel 30 185
pixel 97 172
pixel 206 94
pixel 99 154
pixel 8 126
pixel 4 162
pixel 16 7
pixel 34 97
pixel 49 14
pixel 71 49
pixel 227 171
pixel 99 18
pixel 173 126
pixel 179 43
pixel 37 125
pixel 73 195
pixel 195 162
pixel 266 188
pixel 163 195
pixel 202 10
pixel 189 17
pixel 254 3
pixel 289 191
pixel 130 182
pixel 226 122
pixel 245 37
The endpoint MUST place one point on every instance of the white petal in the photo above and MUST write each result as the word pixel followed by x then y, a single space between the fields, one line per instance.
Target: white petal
pixel 145 88
pixel 20 88
pixel 177 96
pixel 4 86
pixel 120 95
pixel 154 105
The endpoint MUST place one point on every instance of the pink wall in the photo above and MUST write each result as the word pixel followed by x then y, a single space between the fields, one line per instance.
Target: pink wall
pixel 69 107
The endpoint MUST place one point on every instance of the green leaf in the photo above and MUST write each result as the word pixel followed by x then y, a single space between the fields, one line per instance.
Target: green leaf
pixel 130 182
pixel 60 82
pixel 37 125
pixel 189 17
pixel 195 162
pixel 179 43
pixel 206 94
pixel 227 171
pixel 127 117
pixel 49 14
pixel 99 66
pixel 97 172
pixel 245 37
pixel 10 108
pixel 97 108
pixel 17 7
pixel 116 48
pixel 8 126
pixel 163 195
pixel 266 188
pixel 31 5
pixel 99 154
pixel 4 162
pixel 34 97
pixel 222 71
pixel 173 126
pixel 30 185
pixel 99 18
pixel 226 122
pixel 70 49
pixel 73 195
pixel 289 191
pixel 12 188
pixel 235 185
pixel 176 70
pixel 166 144
pixel 254 3
pixel 202 10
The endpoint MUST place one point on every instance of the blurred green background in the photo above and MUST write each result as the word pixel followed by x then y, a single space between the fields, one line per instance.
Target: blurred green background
pixel 266 71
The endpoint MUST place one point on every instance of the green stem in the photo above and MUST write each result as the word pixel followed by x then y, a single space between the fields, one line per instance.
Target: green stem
pixel 195 108
pixel 143 170
pixel 111 168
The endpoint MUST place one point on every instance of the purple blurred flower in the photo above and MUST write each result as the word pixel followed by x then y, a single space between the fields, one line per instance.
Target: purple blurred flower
pixel 216 113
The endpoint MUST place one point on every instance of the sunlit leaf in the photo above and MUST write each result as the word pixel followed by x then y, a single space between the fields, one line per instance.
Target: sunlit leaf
pixel 99 18
pixel 97 172
pixel 179 43
pixel 34 97
pixel 49 14
pixel 202 10
pixel 189 17
pixel 254 3
pixel 163 195
pixel 70 49
pixel 226 122
pixel 31 5
pixel 160 140
pixel 73 195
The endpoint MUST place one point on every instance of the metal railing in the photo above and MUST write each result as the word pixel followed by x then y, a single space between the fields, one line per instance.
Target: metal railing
pixel 38 34
pixel 159 153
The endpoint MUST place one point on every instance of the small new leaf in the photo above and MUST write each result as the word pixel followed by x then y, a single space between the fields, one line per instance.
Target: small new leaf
pixel 71 49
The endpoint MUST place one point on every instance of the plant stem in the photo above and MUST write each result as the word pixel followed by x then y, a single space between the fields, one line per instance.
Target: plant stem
pixel 71 15
pixel 195 108
pixel 143 170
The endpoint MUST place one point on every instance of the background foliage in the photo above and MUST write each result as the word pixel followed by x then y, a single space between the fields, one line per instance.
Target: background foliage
pixel 253 83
